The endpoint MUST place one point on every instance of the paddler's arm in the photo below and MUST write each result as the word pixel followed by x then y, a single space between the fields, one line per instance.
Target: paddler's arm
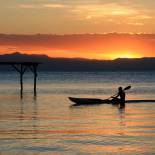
pixel 116 95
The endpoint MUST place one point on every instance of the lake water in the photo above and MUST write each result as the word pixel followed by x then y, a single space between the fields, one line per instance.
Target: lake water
pixel 49 125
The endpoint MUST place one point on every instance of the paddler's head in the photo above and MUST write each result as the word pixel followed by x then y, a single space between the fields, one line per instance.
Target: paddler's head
pixel 120 89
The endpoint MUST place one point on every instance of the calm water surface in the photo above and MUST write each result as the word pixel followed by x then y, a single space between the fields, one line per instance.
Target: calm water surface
pixel 49 125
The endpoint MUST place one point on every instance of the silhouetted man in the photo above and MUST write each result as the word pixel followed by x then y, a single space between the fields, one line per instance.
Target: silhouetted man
pixel 121 95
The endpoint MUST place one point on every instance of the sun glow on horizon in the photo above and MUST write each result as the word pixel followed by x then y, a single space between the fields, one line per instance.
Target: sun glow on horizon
pixel 88 46
pixel 123 55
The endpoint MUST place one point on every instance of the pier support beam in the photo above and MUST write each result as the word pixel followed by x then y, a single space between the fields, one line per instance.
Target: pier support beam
pixel 35 78
pixel 21 68
pixel 34 71
pixel 21 80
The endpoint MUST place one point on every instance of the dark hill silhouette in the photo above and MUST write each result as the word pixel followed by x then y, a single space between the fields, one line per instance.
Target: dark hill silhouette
pixel 17 56
pixel 79 64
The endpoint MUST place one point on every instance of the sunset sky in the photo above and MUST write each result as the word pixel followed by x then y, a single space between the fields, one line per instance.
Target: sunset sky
pixel 31 17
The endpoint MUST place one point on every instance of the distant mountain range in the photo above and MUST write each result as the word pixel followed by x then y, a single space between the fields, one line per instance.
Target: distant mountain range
pixel 78 64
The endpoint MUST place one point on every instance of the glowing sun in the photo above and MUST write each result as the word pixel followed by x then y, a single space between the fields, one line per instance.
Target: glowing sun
pixel 123 55
pixel 127 56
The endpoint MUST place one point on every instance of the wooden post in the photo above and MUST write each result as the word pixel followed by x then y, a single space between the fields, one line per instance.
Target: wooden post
pixel 21 70
pixel 21 79
pixel 35 78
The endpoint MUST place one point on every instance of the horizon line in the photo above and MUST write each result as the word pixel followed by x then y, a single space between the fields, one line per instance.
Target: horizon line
pixel 84 58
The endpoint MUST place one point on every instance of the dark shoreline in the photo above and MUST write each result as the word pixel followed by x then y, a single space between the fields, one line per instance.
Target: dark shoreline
pixel 81 65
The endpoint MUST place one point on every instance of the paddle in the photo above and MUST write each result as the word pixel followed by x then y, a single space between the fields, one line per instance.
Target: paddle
pixel 126 88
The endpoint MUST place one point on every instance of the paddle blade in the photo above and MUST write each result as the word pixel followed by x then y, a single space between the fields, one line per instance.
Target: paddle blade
pixel 128 87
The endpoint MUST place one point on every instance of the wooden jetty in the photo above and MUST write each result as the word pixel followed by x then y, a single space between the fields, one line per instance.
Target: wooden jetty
pixel 21 67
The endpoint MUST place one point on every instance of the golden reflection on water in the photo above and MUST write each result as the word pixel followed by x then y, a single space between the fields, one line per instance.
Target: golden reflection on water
pixel 49 124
